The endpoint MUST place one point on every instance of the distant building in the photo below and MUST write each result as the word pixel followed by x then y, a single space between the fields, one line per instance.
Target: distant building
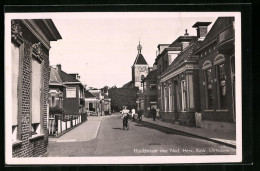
pixel 106 104
pixel 73 93
pixel 91 102
pixel 30 45
pixel 140 70
pixel 149 92
pixel 217 76
pixel 56 89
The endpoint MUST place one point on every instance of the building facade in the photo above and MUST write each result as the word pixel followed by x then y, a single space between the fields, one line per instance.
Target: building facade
pixel 178 79
pixel 73 93
pixel 150 92
pixel 30 41
pixel 217 76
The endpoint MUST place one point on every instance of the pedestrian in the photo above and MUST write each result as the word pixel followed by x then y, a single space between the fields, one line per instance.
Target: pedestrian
pixel 133 114
pixel 153 112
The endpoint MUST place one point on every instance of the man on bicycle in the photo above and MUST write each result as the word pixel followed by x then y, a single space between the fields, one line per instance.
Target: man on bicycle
pixel 125 116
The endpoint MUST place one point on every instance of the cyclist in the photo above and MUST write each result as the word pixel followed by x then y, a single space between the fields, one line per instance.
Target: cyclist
pixel 125 116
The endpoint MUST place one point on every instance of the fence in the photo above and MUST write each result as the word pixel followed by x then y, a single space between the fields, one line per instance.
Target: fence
pixel 61 123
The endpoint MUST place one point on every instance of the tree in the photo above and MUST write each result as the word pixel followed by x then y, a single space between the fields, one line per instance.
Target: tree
pixel 123 97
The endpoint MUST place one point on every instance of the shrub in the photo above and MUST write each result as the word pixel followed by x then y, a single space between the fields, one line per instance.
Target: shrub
pixel 56 110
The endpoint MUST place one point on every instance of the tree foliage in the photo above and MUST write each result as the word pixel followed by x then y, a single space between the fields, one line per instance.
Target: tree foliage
pixel 123 97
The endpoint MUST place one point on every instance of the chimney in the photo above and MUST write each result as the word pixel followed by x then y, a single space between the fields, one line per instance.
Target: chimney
pixel 58 67
pixel 185 44
pixel 202 29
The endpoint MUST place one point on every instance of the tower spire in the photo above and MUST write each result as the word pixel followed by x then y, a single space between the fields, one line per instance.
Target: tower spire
pixel 139 47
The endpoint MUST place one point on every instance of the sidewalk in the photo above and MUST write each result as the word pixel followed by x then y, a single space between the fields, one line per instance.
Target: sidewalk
pixel 84 132
pixel 218 137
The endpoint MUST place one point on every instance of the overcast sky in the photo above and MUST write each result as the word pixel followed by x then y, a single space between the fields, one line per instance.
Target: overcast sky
pixel 102 47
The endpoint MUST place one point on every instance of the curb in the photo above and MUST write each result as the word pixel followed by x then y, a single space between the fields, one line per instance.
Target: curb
pixel 197 136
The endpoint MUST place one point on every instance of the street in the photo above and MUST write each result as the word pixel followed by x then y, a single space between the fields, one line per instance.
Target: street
pixel 142 139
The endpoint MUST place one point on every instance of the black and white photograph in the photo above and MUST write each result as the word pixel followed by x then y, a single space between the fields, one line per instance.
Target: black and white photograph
pixel 123 88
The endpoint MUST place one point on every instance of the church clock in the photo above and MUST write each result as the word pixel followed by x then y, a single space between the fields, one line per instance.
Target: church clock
pixel 142 69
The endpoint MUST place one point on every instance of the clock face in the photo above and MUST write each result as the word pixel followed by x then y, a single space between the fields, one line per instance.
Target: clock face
pixel 142 69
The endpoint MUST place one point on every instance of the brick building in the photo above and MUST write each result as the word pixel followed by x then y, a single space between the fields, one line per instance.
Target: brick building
pixel 30 45
pixel 217 76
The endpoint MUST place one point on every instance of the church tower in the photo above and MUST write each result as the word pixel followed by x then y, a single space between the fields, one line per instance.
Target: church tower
pixel 139 68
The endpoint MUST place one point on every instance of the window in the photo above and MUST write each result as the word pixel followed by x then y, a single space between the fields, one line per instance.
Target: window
pixel 53 100
pixel 15 59
pixel 161 97
pixel 208 88
pixel 184 95
pixel 36 96
pixel 165 99
pixel 170 98
pixel 221 79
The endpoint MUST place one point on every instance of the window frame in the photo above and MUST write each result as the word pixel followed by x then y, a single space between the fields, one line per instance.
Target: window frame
pixel 36 54
pixel 220 60
pixel 16 129
pixel 206 66
pixel 184 95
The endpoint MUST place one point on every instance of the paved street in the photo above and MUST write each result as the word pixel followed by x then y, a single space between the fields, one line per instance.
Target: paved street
pixel 142 139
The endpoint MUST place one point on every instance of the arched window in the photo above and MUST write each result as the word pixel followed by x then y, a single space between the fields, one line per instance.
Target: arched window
pixel 221 81
pixel 219 59
pixel 206 65
pixel 208 84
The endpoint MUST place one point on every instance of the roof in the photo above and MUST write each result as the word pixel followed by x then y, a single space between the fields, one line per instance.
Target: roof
pixel 54 77
pixel 95 92
pixel 127 85
pixel 182 57
pixel 152 74
pixel 197 24
pixel 105 96
pixel 176 45
pixel 89 94
pixel 139 60
pixel 68 78
pixel 219 25
pixel 177 42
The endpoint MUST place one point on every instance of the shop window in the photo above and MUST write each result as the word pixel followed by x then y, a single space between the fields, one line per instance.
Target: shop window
pixel 221 79
pixel 184 95
pixel 36 96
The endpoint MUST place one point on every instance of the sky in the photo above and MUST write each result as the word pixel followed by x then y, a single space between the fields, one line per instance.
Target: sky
pixel 102 47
